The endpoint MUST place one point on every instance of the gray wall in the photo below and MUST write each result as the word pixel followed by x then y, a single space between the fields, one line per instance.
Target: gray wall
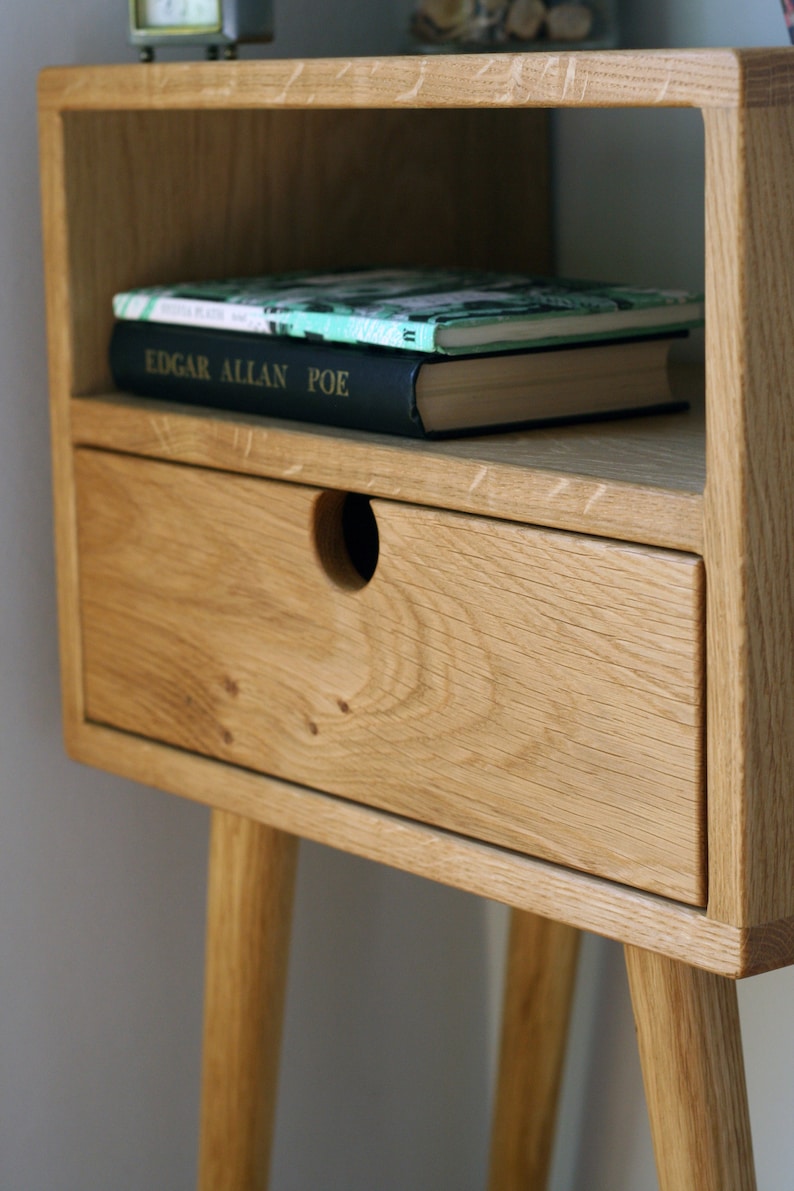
pixel 394 983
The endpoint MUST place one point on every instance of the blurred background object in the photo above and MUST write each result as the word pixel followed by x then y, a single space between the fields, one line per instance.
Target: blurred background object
pixel 514 24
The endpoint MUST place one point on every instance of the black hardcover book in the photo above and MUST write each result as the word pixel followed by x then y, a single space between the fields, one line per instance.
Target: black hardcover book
pixel 384 391
pixel 280 378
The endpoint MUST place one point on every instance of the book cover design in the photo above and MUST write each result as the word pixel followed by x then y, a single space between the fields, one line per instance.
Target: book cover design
pixel 431 310
pixel 390 392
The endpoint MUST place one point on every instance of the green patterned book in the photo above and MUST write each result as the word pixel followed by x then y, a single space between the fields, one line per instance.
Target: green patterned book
pixel 447 311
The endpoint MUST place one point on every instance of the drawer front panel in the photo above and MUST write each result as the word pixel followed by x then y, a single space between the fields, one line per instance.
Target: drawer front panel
pixel 536 689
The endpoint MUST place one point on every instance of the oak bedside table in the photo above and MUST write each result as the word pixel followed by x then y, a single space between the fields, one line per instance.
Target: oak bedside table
pixel 550 668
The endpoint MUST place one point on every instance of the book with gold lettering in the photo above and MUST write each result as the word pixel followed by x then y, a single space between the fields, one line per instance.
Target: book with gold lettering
pixel 450 311
pixel 413 394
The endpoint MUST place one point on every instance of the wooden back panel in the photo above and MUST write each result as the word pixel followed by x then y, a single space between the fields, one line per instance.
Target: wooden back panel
pixel 163 196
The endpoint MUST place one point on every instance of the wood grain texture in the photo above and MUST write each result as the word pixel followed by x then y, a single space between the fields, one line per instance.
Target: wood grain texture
pixel 749 513
pixel 108 223
pixel 251 881
pixel 639 480
pixel 552 891
pixel 649 78
pixel 58 309
pixel 260 165
pixel 762 943
pixel 540 690
pixel 226 193
pixel 539 986
pixel 691 1054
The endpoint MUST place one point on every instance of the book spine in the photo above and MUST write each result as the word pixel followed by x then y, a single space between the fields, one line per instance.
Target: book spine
pixel 329 326
pixel 281 378
pixel 356 329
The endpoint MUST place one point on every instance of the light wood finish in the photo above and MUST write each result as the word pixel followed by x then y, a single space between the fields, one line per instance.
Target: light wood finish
pixel 693 1069
pixel 229 191
pixel 553 891
pixel 107 223
pixel 59 354
pixel 538 690
pixel 263 191
pixel 662 78
pixel 262 165
pixel 750 512
pixel 251 881
pixel 539 987
pixel 640 480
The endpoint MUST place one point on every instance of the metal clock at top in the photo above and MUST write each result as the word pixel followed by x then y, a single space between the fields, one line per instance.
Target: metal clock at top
pixel 217 25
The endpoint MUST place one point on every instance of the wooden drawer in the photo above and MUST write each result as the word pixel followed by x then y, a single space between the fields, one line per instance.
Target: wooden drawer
pixel 536 689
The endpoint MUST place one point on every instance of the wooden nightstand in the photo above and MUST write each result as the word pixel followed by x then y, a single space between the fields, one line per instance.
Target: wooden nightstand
pixel 567 684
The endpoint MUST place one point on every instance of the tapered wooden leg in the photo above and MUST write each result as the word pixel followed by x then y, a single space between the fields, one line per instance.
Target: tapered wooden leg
pixel 693 1069
pixel 251 882
pixel 540 978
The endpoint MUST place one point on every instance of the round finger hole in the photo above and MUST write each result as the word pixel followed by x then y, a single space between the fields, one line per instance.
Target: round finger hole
pixel 346 537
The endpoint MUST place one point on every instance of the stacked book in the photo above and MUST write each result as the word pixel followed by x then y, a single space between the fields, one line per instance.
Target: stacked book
pixel 422 353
